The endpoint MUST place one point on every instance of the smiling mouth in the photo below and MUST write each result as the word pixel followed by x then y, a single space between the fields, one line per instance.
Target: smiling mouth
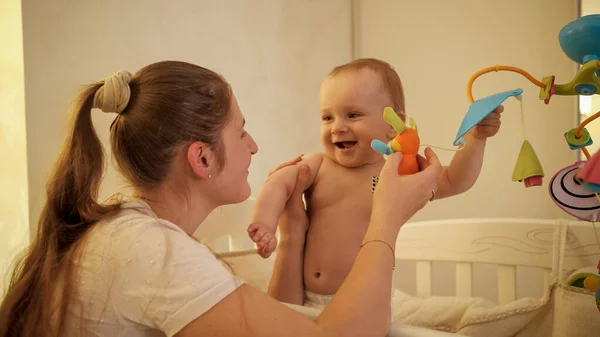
pixel 345 145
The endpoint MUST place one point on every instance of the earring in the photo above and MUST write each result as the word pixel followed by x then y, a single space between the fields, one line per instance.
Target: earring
pixel 209 176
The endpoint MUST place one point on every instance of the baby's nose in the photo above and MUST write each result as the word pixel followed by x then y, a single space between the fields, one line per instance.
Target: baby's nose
pixel 339 127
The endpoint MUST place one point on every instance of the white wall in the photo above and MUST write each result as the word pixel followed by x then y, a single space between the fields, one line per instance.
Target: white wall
pixel 437 45
pixel 14 228
pixel 273 52
pixel 588 7
pixel 591 104
pixel 276 60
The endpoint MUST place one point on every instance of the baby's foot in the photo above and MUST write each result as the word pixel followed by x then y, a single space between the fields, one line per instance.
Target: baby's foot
pixel 265 241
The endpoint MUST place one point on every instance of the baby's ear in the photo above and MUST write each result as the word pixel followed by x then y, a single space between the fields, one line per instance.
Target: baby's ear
pixel 402 115
pixel 391 132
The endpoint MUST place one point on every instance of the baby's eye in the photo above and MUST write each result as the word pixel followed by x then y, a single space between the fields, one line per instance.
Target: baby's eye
pixel 353 114
pixel 327 118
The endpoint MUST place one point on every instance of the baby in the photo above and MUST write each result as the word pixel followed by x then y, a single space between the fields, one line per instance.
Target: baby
pixel 339 192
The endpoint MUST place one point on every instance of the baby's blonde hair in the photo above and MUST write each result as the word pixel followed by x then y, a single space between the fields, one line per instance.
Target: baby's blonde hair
pixel 389 77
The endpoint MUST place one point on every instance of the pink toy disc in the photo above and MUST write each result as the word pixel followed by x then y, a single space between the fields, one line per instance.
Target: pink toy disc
pixel 590 172
pixel 568 194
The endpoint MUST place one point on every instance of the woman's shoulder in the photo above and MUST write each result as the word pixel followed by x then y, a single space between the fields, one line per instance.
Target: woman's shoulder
pixel 139 261
pixel 137 218
pixel 136 232
pixel 138 246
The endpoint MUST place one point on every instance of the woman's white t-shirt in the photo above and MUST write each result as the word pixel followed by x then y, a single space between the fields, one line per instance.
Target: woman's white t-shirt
pixel 143 276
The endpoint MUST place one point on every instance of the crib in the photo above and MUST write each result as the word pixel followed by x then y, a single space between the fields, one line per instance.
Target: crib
pixel 501 259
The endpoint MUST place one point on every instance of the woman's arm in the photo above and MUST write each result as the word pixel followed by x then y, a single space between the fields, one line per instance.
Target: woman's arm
pixel 361 307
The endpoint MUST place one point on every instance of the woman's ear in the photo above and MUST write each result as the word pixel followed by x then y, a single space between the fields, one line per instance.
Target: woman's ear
pixel 199 156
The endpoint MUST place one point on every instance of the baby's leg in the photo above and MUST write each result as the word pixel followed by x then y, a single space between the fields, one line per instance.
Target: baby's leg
pixel 264 236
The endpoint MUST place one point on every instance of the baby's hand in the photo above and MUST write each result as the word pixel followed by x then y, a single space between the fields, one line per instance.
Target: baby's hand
pixel 265 241
pixel 490 125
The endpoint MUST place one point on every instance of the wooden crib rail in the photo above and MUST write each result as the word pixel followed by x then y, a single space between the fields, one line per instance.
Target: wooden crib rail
pixel 505 242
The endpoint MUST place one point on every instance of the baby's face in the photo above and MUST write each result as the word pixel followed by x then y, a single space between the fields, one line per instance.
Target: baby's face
pixel 352 104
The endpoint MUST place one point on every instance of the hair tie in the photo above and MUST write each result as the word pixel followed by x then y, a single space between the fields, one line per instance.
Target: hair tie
pixel 113 96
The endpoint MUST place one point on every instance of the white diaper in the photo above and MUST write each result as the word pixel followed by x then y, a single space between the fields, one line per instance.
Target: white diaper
pixel 314 300
pixel 320 301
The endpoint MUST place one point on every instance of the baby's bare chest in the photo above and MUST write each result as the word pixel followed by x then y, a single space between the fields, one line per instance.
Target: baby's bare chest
pixel 342 193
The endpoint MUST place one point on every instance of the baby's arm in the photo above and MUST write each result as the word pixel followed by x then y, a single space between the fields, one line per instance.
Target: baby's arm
pixel 466 165
pixel 287 279
pixel 464 169
pixel 271 201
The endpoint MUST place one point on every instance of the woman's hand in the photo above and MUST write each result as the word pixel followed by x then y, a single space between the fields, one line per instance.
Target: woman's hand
pixel 287 163
pixel 399 197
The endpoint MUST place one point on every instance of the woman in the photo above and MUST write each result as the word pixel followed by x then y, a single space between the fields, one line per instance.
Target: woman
pixel 131 268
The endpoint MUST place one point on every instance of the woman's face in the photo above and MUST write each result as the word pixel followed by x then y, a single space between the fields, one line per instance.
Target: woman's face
pixel 232 180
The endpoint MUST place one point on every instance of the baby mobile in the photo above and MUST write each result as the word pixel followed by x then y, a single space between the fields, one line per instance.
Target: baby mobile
pixel 574 188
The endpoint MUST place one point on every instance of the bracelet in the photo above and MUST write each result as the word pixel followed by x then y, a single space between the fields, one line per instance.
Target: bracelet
pixel 392 249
